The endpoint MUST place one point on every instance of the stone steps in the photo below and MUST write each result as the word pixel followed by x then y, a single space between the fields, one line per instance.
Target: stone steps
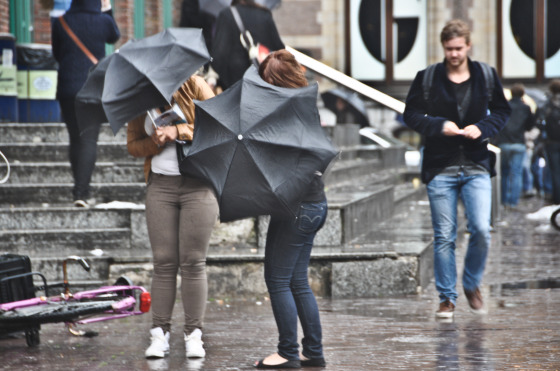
pixel 58 152
pixel 50 133
pixel 81 242
pixel 60 172
pixel 37 194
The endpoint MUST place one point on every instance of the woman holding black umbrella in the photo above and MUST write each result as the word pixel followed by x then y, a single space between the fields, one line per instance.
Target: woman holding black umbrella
pixel 180 213
pixel 288 251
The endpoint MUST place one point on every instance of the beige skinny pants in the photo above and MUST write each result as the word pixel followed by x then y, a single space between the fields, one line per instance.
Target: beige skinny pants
pixel 180 213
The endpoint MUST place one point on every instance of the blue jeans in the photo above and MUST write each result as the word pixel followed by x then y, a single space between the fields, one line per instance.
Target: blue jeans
pixel 512 157
pixel 287 254
pixel 476 193
pixel 528 179
pixel 553 158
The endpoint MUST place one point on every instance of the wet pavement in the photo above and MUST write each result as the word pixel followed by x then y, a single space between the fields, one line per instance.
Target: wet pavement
pixel 520 332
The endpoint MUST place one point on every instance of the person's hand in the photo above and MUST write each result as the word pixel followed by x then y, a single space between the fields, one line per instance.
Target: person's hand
pixel 165 134
pixel 472 132
pixel 105 5
pixel 451 129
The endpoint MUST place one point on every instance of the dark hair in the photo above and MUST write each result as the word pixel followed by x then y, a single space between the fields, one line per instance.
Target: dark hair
pixel 280 68
pixel 517 90
pixel 455 28
pixel 554 86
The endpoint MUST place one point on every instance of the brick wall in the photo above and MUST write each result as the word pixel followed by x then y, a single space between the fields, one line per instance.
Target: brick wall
pixel 41 24
pixel 4 18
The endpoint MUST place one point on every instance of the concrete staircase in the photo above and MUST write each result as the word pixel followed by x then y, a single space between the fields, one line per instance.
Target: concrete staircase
pixel 375 241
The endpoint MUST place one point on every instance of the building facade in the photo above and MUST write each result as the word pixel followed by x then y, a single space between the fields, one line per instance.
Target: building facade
pixel 380 42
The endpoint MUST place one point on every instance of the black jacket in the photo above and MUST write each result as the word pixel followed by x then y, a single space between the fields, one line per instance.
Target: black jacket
pixel 230 58
pixel 549 118
pixel 520 121
pixel 94 29
pixel 428 117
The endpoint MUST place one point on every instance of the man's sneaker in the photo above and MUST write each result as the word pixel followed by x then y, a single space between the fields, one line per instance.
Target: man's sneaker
pixel 81 203
pixel 446 309
pixel 475 301
pixel 159 346
pixel 193 345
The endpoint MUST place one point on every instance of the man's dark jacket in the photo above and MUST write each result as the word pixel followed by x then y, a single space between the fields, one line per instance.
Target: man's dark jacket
pixel 520 121
pixel 94 29
pixel 230 58
pixel 428 117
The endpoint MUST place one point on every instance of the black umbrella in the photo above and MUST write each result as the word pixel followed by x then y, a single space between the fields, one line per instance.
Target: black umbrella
pixel 144 74
pixel 270 4
pixel 354 105
pixel 213 7
pixel 88 100
pixel 259 146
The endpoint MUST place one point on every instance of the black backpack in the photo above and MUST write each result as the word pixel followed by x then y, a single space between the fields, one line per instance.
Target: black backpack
pixel 429 77
pixel 551 116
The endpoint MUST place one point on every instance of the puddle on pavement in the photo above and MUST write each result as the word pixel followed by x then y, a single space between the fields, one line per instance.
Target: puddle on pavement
pixel 551 283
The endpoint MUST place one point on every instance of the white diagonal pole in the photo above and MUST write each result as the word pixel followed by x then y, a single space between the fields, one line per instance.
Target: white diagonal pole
pixel 347 81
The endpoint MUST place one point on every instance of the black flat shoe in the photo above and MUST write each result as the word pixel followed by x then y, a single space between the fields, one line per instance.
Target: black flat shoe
pixel 287 364
pixel 313 362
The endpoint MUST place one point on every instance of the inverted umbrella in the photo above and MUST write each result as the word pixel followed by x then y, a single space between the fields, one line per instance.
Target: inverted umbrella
pixel 144 74
pixel 259 146
pixel 352 101
pixel 88 100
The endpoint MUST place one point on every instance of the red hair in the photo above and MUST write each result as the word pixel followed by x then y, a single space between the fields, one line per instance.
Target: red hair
pixel 280 68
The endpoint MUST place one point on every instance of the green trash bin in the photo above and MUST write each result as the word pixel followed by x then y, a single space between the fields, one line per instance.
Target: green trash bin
pixel 37 79
pixel 8 79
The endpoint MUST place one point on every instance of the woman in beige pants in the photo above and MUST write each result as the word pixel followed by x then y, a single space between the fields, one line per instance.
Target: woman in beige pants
pixel 180 214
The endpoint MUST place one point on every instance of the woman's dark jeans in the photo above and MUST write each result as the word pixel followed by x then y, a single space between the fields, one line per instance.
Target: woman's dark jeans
pixel 82 150
pixel 288 250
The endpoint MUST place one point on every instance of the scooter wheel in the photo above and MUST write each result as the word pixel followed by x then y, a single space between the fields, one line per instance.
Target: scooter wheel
pixel 555 219
pixel 32 337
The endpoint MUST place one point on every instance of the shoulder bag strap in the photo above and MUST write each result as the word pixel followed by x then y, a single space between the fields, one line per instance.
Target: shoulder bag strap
pixel 77 41
pixel 245 36
pixel 488 79
pixel 237 18
pixel 427 80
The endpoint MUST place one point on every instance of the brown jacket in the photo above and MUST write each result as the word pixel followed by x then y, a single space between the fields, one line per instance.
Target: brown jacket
pixel 140 144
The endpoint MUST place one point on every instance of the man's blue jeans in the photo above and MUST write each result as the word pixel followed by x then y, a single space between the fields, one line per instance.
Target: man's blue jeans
pixel 476 193
pixel 553 158
pixel 287 254
pixel 512 157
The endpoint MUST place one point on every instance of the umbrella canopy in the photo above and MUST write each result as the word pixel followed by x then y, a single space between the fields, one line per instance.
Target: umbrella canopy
pixel 88 100
pixel 270 4
pixel 213 7
pixel 353 101
pixel 259 146
pixel 142 75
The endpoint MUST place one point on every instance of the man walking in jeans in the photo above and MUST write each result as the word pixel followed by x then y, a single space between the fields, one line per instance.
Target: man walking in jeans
pixel 458 110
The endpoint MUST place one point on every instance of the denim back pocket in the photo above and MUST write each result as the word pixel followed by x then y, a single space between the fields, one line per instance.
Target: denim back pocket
pixel 312 216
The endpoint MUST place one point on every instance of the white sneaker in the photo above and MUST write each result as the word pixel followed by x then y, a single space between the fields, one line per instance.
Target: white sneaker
pixel 160 344
pixel 193 345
